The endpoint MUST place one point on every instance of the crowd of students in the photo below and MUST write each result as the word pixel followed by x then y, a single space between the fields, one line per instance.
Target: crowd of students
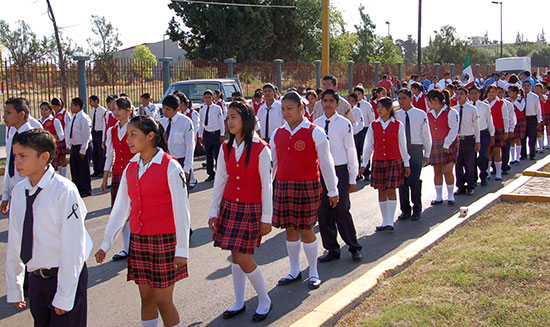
pixel 286 162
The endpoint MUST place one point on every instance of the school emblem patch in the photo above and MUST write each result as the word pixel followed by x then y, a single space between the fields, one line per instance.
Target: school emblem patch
pixel 300 146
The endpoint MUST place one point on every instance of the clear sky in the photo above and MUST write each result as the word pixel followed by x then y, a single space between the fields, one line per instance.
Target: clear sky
pixel 140 21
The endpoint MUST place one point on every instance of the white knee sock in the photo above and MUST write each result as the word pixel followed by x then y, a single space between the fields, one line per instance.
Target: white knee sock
pixel 150 323
pixel 451 192
pixel 126 237
pixel 514 153
pixel 547 139
pixel 541 143
pixel 312 251
pixel 390 212
pixel 293 249
pixel 383 210
pixel 257 279
pixel 239 283
pixel 439 192
pixel 498 166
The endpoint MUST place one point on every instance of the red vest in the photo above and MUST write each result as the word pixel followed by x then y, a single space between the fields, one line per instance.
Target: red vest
pixel 49 126
pixel 151 211
pixel 297 158
pixel 189 114
pixel 519 114
pixel 421 103
pixel 496 112
pixel 373 104
pixel 386 142
pixel 61 116
pixel 308 116
pixel 439 127
pixel 122 152
pixel 257 105
pixel 110 121
pixel 454 100
pixel 243 182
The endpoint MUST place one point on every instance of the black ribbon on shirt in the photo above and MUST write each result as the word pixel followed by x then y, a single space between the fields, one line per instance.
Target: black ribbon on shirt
pixel 73 212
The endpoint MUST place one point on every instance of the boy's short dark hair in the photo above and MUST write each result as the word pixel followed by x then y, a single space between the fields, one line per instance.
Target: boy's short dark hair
pixel 94 98
pixel 417 86
pixel 208 92
pixel 146 96
pixel 256 95
pixel 331 78
pixel 332 92
pixel 354 96
pixel 268 86
pixel 405 91
pixel 20 105
pixel 463 89
pixel 77 102
pixel 111 98
pixel 39 140
pixel 171 101
pixel 236 94
pixel 360 89
pixel 123 95
pixel 474 88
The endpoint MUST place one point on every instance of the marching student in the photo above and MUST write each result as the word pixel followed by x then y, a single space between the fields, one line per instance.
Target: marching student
pixel 469 144
pixel 419 146
pixel 443 122
pixel 516 98
pixel 55 246
pixel 387 142
pixel 533 117
pixel 452 93
pixel 159 239
pixel 242 205
pixel 540 92
pixel 97 115
pixel 147 107
pixel 79 140
pixel 301 155
pixel 118 156
pixel 219 101
pixel 257 101
pixel 369 117
pixel 186 108
pixel 211 131
pixel 512 121
pixel 16 113
pixel 309 109
pixel 486 133
pixel 62 149
pixel 500 120
pixel 359 129
pixel 377 93
pixel 52 125
pixel 269 115
pixel 338 219
pixel 330 82
pixel 419 97
pixel 109 118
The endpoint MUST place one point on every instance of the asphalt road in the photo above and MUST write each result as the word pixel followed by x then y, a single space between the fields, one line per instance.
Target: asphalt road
pixel 202 298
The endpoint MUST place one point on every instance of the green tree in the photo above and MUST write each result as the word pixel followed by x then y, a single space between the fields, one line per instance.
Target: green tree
pixel 385 51
pixel 365 37
pixel 145 60
pixel 446 47
pixel 22 43
pixel 409 49
pixel 107 41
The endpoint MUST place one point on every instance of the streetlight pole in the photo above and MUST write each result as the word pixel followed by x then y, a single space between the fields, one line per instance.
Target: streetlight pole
pixel 419 50
pixel 389 35
pixel 500 3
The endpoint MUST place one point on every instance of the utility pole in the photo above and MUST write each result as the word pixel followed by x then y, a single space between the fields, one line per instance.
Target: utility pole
pixel 419 54
pixel 500 3
pixel 325 39
pixel 59 53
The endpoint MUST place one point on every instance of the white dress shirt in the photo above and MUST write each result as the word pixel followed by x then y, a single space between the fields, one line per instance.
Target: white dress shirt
pixel 33 122
pixel 149 110
pixel 215 119
pixel 275 118
pixel 420 129
pixel 10 182
pixel 368 148
pixel 532 106
pixel 504 113
pixel 342 144
pixel 98 114
pixel 109 147
pixel 368 112
pixel 444 82
pixel 60 238
pixel 359 121
pixel 196 119
pixel 264 167
pixel 81 131
pixel 57 125
pixel 452 120
pixel 180 204
pixel 326 162
pixel 470 121
pixel 485 120
pixel 512 120
pixel 343 109
pixel 181 142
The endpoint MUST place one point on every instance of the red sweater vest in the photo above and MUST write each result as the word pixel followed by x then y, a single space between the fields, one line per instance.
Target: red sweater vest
pixel 421 103
pixel 496 112
pixel 244 183
pixel 308 116
pixel 386 142
pixel 122 152
pixel 373 104
pixel 49 126
pixel 190 114
pixel 297 158
pixel 61 117
pixel 454 100
pixel 257 105
pixel 151 211
pixel 519 114
pixel 439 127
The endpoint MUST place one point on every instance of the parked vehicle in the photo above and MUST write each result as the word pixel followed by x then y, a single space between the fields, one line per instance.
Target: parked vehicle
pixel 194 88
pixel 513 65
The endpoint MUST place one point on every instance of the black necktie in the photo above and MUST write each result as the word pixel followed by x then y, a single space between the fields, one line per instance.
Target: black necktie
pixel 267 123
pixel 326 126
pixel 168 128
pixel 72 125
pixel 207 112
pixel 26 237
pixel 93 121
pixel 11 166
pixel 408 128
pixel 460 122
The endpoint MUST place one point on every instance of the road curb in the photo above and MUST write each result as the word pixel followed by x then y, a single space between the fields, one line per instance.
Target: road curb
pixel 352 294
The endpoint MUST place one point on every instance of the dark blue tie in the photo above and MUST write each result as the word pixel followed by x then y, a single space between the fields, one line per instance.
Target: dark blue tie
pixel 11 165
pixel 26 238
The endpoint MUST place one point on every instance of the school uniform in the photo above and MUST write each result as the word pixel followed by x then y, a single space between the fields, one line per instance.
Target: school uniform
pixel 359 131
pixel 374 103
pixel 97 115
pixel 35 123
pixel 342 147
pixel 54 126
pixel 270 118
pixel 180 137
pixel 65 118
pixel 308 114
pixel 257 105
pixel 343 109
pixel 454 100
pixel 159 225
pixel 486 131
pixel 444 129
pixel 500 120
pixel 469 135
pixel 194 116
pixel 110 121
pixel 79 137
pixel 11 176
pixel 369 117
pixel 420 101
pixel 212 127
pixel 419 146
pixel 54 249
pixel 512 121
pixel 118 156
pixel 222 105
pixel 533 116
pixel 148 110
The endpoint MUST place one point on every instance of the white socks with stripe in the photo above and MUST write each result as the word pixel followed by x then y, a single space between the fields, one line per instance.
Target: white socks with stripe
pixel 239 283
pixel 451 192
pixel 312 250
pixel 150 323
pixel 257 279
pixel 293 249
pixel 390 212
pixel 498 166
pixel 439 192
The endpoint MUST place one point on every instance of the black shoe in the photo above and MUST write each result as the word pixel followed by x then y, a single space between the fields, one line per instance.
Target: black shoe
pixel 483 183
pixel 532 158
pixel 383 228
pixel 120 256
pixel 203 165
pixel 358 178
pixel 505 172
pixel 261 317
pixel 232 313
pixel 314 284
pixel 498 178
pixel 416 216
pixel 460 191
pixel 404 216
pixel 210 179
pixel 288 279
pixel 356 256
pixel 451 202
pixel 329 256
pixel 435 202
pixel 470 192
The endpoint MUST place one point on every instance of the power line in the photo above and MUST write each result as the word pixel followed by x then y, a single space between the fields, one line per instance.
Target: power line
pixel 235 4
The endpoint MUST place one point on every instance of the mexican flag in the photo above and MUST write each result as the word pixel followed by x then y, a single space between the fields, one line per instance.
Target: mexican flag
pixel 468 74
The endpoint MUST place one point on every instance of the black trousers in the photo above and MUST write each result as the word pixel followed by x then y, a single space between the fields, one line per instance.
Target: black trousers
pixel 212 148
pixel 80 170
pixel 465 168
pixel 338 220
pixel 98 155
pixel 531 134
pixel 506 155
pixel 413 183
pixel 482 160
pixel 42 292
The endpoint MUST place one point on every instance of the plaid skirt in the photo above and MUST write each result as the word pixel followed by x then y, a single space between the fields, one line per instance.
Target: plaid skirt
pixel 115 183
pixel 386 174
pixel 546 119
pixel 296 204
pixel 440 157
pixel 238 226
pixel 151 260
pixel 499 138
pixel 520 129
pixel 62 148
